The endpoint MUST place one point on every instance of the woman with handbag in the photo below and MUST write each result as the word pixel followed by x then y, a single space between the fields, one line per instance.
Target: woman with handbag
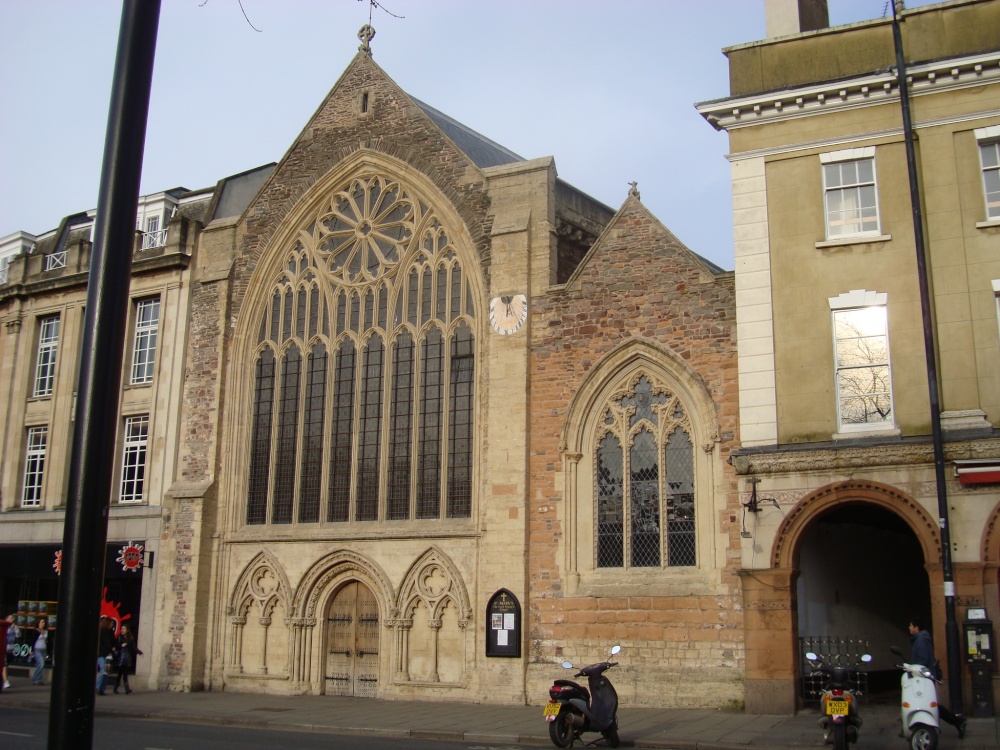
pixel 125 653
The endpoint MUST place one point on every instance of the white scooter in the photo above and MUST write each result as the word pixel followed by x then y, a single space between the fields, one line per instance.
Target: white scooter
pixel 919 705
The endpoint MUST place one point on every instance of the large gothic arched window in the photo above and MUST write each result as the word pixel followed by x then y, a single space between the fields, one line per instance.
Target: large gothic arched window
pixel 644 480
pixel 363 374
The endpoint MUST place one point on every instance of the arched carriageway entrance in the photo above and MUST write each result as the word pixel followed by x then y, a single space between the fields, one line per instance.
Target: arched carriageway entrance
pixel 862 575
pixel 850 563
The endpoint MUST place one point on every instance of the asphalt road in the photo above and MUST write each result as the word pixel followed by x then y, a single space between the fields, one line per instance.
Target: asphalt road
pixel 22 729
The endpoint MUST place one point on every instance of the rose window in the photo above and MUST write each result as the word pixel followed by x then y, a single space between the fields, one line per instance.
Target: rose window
pixel 366 230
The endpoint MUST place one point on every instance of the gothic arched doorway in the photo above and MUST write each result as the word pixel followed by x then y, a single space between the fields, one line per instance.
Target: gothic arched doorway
pixel 352 642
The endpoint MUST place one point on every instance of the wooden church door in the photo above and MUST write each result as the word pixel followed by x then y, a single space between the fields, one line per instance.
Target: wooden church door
pixel 352 663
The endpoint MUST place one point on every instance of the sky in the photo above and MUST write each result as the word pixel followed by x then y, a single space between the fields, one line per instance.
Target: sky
pixel 606 87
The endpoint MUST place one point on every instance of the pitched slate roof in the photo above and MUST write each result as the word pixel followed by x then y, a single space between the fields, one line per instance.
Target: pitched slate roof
pixel 479 148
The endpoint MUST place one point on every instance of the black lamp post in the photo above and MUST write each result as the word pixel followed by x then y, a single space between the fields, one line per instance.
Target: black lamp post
pixel 85 534
pixel 930 354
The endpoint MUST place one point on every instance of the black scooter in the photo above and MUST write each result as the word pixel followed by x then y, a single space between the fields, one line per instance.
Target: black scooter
pixel 572 710
pixel 839 719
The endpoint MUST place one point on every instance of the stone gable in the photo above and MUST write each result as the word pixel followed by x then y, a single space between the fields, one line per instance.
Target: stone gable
pixel 637 284
pixel 393 126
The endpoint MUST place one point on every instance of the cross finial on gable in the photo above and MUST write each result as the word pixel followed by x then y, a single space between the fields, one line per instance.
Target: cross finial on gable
pixel 366 34
pixel 634 190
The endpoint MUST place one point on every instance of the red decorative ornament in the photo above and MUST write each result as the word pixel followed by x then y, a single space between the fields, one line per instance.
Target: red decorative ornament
pixel 130 556
pixel 114 611
pixel 57 565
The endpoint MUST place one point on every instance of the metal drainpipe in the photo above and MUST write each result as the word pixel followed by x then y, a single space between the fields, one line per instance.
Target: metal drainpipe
pixel 930 353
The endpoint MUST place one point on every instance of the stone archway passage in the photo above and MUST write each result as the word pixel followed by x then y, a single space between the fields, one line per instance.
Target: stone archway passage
pixel 352 642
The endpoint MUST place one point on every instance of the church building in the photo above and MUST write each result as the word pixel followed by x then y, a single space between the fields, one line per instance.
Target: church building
pixel 446 421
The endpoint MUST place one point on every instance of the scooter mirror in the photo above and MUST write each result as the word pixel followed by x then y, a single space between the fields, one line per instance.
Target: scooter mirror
pixel 811 656
pixel 567 665
pixel 866 658
pixel 615 650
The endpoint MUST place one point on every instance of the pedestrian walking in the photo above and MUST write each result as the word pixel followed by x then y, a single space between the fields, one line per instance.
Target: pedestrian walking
pixel 125 655
pixel 41 650
pixel 105 652
pixel 10 632
pixel 922 652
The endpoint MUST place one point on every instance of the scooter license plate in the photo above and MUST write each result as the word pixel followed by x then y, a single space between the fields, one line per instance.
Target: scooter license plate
pixel 552 710
pixel 836 708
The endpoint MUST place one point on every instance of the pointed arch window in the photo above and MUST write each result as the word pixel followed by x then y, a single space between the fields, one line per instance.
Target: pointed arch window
pixel 364 376
pixel 644 481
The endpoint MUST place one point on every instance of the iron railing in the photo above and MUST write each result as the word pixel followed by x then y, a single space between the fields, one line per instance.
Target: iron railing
pixel 837 651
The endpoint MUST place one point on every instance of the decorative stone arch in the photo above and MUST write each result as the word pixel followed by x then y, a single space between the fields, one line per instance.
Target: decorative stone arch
pixel 326 575
pixel 252 585
pixel 364 162
pixel 624 365
pixel 262 585
pixel 989 544
pixel 315 591
pixel 433 583
pixel 414 584
pixel 989 554
pixel 769 594
pixel 784 551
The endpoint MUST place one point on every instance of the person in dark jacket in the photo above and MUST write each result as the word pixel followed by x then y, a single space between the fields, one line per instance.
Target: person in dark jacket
pixel 105 650
pixel 125 653
pixel 922 652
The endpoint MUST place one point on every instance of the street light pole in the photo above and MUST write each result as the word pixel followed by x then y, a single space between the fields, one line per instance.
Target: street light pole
pixel 930 354
pixel 85 534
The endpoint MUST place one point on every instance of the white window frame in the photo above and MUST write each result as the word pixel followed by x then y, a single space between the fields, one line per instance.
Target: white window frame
pixel 34 466
pixel 45 361
pixel 152 235
pixel 144 339
pixel 834 161
pixel 4 265
pixel 860 299
pixel 988 146
pixel 134 454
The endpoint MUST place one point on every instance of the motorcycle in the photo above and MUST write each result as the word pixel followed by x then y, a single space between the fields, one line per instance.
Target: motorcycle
pixel 838 705
pixel 573 710
pixel 921 721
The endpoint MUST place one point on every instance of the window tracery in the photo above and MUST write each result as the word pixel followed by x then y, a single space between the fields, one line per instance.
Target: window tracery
pixel 364 368
pixel 644 480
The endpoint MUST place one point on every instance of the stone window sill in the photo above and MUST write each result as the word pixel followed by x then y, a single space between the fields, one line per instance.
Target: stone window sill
pixel 858 240
pixel 861 434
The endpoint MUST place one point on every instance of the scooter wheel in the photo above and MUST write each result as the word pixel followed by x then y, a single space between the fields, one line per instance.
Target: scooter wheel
pixel 560 730
pixel 611 736
pixel 924 737
pixel 839 736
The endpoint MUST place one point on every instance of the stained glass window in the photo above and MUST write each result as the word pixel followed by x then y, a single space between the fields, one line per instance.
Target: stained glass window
pixel 643 453
pixel 364 381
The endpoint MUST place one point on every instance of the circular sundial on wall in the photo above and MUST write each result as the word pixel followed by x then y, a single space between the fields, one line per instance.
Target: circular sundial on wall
pixel 508 313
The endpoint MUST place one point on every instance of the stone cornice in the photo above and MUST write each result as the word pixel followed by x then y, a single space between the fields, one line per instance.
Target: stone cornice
pixel 749 462
pixel 879 87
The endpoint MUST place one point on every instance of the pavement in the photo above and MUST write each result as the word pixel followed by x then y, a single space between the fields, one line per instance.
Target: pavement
pixel 496 727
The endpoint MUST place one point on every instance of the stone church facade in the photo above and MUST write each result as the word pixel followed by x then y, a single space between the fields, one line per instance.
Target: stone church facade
pixel 423 371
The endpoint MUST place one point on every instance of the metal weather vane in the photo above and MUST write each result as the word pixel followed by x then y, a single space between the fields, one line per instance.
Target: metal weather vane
pixel 367 32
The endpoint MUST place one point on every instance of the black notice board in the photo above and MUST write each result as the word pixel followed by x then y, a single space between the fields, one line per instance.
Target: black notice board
pixel 503 625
